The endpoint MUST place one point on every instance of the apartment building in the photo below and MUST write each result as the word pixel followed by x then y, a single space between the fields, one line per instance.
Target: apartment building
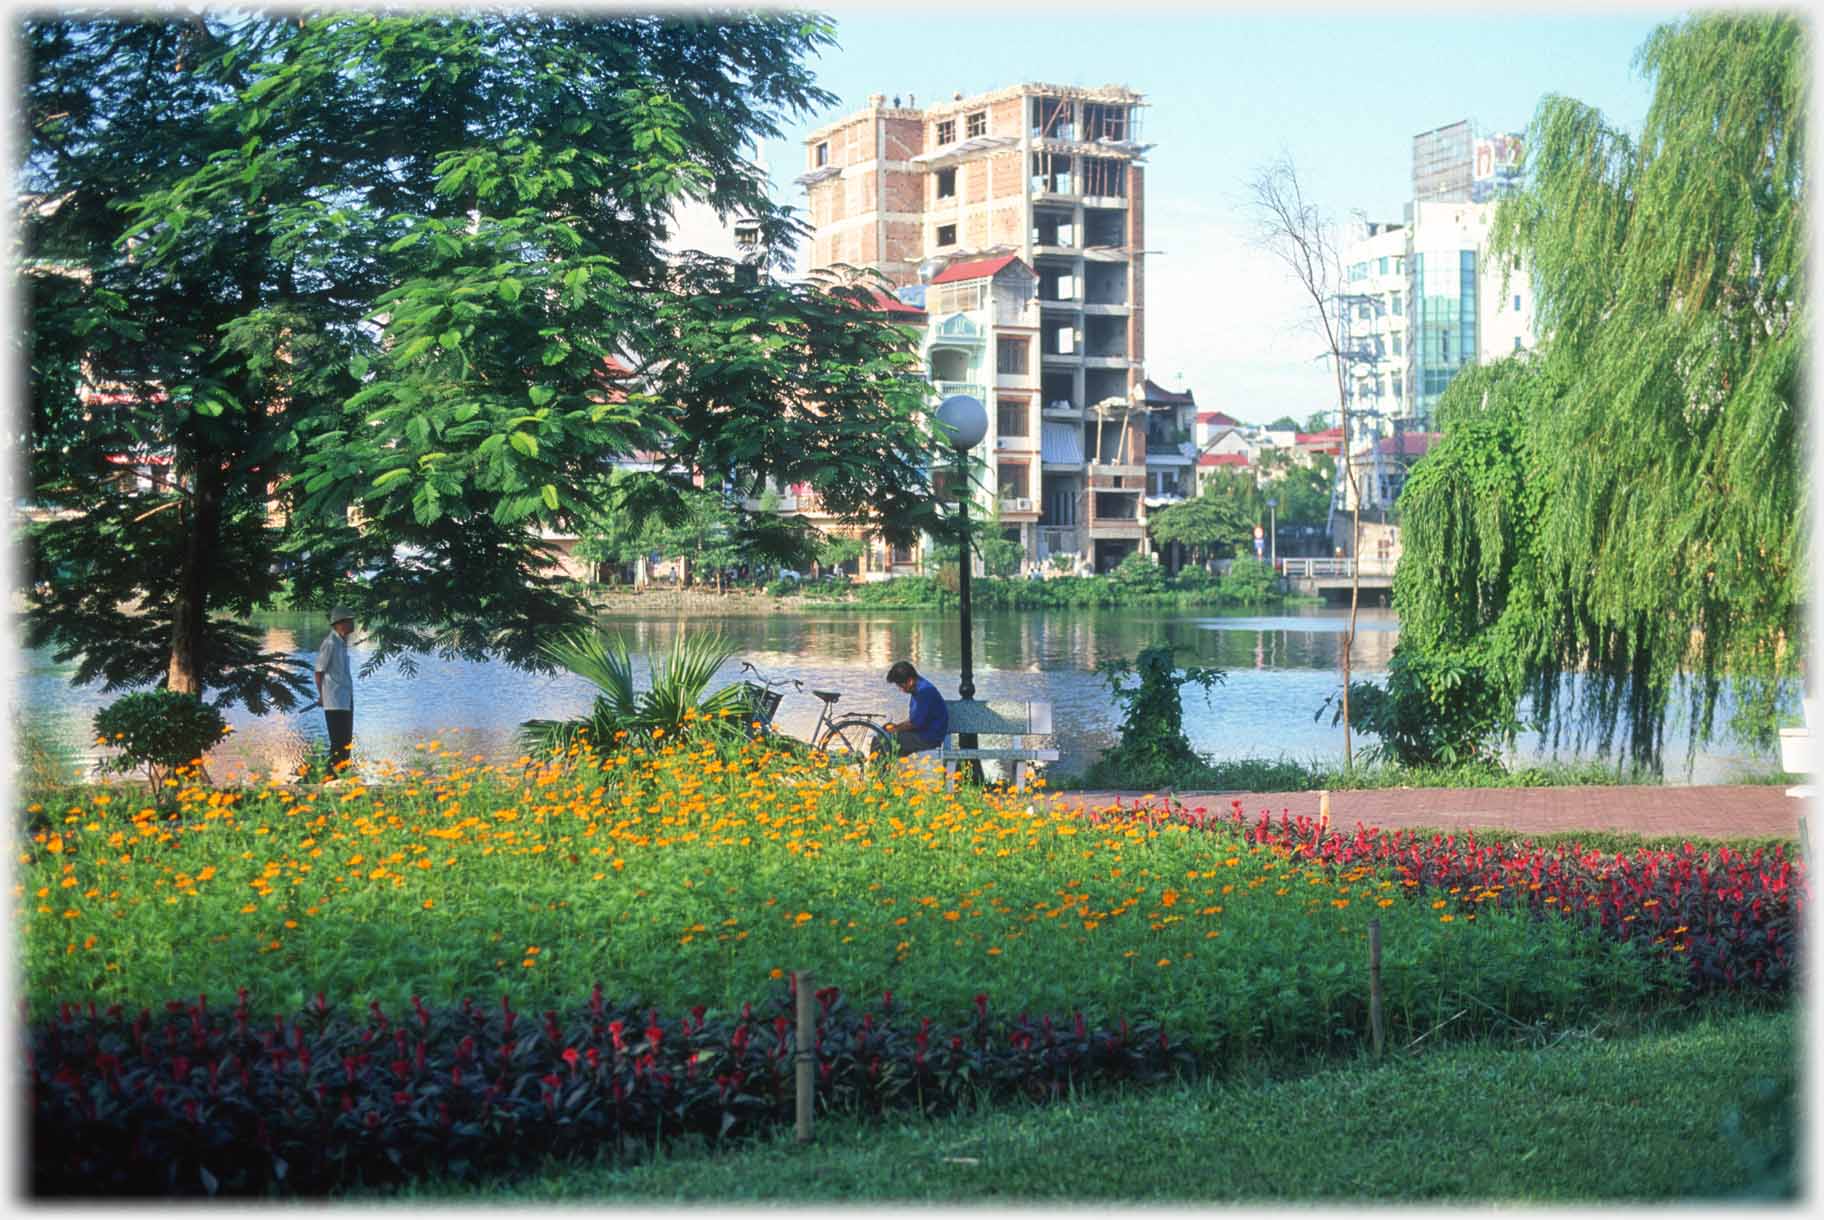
pixel 1052 176
pixel 1422 297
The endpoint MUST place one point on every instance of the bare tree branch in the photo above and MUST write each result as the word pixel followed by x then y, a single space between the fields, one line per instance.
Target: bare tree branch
pixel 1294 230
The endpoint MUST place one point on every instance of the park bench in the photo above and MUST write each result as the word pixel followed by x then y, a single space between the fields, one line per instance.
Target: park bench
pixel 1025 728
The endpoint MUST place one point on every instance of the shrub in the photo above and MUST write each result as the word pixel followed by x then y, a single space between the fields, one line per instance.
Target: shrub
pixel 1194 576
pixel 157 731
pixel 675 703
pixel 1153 746
pixel 1138 572
pixel 1436 710
pixel 1247 582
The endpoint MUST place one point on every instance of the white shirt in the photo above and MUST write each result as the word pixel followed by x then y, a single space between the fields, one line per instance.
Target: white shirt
pixel 332 665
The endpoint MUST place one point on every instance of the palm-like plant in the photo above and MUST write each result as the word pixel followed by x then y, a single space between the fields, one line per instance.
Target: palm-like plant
pixel 673 705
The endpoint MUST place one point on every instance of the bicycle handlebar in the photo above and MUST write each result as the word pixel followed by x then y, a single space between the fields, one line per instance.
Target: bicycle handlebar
pixel 771 683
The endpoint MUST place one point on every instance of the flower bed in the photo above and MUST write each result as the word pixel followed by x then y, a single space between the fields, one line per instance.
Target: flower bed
pixel 1731 918
pixel 694 879
pixel 200 1101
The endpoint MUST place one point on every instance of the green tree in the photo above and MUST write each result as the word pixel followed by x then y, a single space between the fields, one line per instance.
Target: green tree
pixel 1622 509
pixel 1218 522
pixel 1284 423
pixel 365 280
pixel 1320 421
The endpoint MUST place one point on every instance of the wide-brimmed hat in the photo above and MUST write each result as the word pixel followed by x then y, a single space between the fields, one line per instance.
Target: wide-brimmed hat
pixel 340 613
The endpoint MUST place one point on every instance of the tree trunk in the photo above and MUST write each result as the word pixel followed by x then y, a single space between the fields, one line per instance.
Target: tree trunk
pixel 190 608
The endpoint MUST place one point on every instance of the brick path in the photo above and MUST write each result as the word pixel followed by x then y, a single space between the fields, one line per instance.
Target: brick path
pixel 1718 812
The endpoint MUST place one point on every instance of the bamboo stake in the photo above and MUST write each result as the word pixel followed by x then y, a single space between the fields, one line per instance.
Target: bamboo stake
pixel 1374 986
pixel 1323 811
pixel 807 1053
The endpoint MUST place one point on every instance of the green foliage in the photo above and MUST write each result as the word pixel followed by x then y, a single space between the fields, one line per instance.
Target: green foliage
pixel 1436 710
pixel 1623 509
pixel 834 550
pixel 674 704
pixel 1304 491
pixel 1001 556
pixel 157 732
pixel 410 269
pixel 1649 1088
pixel 1219 522
pixel 1194 576
pixel 1153 744
pixel 1285 423
pixel 1248 582
pixel 1138 572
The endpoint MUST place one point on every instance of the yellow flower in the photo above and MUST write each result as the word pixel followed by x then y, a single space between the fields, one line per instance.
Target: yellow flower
pixel 1445 918
pixel 1163 962
pixel 429 903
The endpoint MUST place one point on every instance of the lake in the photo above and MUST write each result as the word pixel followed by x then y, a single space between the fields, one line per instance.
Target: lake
pixel 1280 669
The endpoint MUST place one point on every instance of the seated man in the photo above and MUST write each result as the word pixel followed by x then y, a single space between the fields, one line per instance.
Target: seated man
pixel 927 720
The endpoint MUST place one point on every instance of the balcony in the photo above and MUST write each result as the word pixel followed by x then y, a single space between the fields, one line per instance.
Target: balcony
pixel 1059 540
pixel 1018 504
pixel 949 389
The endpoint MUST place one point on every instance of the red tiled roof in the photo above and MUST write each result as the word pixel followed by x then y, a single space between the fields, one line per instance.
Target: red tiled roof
pixel 1222 459
pixel 888 303
pixel 1318 438
pixel 976 269
pixel 1218 418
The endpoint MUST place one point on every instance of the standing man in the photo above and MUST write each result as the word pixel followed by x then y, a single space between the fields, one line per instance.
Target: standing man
pixel 336 687
pixel 928 718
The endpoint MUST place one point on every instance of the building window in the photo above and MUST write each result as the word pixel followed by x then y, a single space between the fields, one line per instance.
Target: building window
pixel 1011 418
pixel 1011 481
pixel 1516 342
pixel 975 124
pixel 946 132
pixel 1010 355
pixel 1398 346
pixel 1516 304
pixel 902 554
pixel 946 235
pixel 1104 176
pixel 946 183
pixel 1397 305
pixel 1051 118
pixel 1104 122
pixel 1051 173
pixel 823 153
pixel 1383 267
pixel 1364 311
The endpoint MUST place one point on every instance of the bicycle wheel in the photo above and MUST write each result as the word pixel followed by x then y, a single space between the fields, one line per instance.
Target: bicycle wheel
pixel 857 744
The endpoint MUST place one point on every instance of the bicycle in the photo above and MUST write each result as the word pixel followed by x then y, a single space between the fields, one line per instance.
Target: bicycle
pixel 854 740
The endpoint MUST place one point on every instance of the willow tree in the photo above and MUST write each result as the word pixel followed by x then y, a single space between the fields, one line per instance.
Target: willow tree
pixel 1625 512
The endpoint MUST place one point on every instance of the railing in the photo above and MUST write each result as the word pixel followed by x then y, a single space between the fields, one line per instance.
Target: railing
pixel 1058 539
pixel 1308 569
pixel 945 389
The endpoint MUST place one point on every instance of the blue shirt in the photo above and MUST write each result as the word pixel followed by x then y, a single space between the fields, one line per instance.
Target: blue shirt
pixel 928 716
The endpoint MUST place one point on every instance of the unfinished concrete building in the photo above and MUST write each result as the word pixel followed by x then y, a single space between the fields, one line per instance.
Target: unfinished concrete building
pixel 1053 175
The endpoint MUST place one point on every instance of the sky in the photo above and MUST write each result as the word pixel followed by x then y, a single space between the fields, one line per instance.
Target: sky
pixel 1230 90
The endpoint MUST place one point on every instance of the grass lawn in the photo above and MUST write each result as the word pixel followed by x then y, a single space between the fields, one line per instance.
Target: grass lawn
pixel 1587 1119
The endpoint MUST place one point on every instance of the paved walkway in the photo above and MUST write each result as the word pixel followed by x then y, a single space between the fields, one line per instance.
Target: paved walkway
pixel 1718 812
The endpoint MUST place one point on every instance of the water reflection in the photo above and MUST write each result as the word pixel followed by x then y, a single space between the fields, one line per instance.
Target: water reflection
pixel 1280 670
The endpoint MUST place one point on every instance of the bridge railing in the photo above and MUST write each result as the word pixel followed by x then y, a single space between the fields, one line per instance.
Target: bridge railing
pixel 1309 569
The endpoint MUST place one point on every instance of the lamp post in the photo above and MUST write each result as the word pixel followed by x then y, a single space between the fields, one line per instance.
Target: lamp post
pixel 1273 529
pixel 963 422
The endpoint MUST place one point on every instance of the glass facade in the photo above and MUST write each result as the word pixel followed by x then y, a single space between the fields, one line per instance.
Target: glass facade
pixel 1444 324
